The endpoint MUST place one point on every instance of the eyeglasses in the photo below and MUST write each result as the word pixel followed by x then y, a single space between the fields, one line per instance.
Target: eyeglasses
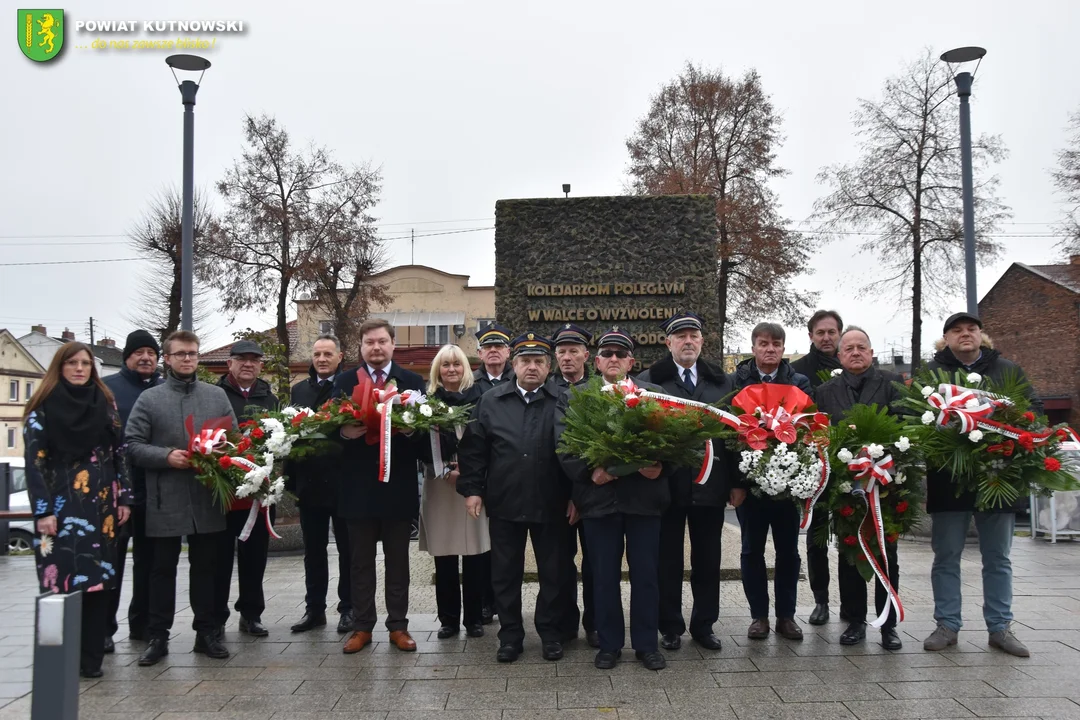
pixel 621 354
pixel 184 355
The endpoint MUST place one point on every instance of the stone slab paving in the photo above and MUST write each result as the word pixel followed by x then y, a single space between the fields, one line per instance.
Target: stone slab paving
pixel 303 677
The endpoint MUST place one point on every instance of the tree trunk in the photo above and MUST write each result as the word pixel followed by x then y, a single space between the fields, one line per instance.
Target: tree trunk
pixel 916 301
pixel 172 322
pixel 722 291
pixel 282 305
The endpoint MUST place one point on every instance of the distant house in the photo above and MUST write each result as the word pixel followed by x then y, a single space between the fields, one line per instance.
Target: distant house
pixel 1033 314
pixel 20 375
pixel 108 358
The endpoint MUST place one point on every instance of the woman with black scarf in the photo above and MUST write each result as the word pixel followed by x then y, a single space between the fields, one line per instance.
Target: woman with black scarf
pixel 446 528
pixel 77 479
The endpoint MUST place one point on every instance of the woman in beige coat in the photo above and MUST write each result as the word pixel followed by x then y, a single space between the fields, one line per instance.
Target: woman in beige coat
pixel 446 529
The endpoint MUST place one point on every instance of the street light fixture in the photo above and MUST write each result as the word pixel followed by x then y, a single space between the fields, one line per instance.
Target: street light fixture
pixel 964 81
pixel 188 88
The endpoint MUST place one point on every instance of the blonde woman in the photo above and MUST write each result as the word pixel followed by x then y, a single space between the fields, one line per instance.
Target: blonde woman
pixel 446 529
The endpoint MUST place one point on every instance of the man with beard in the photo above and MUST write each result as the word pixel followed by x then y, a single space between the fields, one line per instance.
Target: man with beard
pixel 683 373
pixel 825 327
pixel 493 347
pixel 572 356
pixel 315 482
pixel 760 513
pixel 138 374
pixel 861 383
pixel 952 512
pixel 508 465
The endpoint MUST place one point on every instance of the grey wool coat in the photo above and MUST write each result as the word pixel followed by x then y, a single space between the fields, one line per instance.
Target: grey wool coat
pixel 176 502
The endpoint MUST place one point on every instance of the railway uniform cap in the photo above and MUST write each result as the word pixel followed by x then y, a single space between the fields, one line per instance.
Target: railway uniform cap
pixel 570 333
pixel 618 337
pixel 531 343
pixel 683 321
pixel 492 334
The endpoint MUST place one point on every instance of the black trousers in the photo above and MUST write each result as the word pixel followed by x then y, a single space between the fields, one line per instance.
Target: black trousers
pixel 642 536
pixel 853 589
pixel 549 542
pixel 250 556
pixel 756 516
pixel 142 554
pixel 455 593
pixel 817 557
pixel 571 615
pixel 203 551
pixel 95 611
pixel 706 532
pixel 315 524
pixel 364 535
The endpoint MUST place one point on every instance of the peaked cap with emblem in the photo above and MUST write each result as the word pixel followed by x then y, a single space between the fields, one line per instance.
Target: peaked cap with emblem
pixel 682 321
pixel 531 343
pixel 616 336
pixel 571 333
pixel 492 334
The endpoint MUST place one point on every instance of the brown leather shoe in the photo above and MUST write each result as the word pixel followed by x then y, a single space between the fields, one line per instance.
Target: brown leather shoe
pixel 403 641
pixel 356 642
pixel 788 628
pixel 759 629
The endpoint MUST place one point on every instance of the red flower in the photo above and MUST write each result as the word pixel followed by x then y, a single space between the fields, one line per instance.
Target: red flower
pixel 243 445
pixel 246 424
pixel 749 420
pixel 786 433
pixel 1062 433
pixel 847 511
pixel 250 457
pixel 357 415
pixel 1052 464
pixel 821 420
pixel 851 540
pixel 257 433
pixel 1029 416
pixel 891 537
pixel 902 506
pixel 757 438
pixel 299 418
pixel 632 401
pixel 1026 441
pixel 225 461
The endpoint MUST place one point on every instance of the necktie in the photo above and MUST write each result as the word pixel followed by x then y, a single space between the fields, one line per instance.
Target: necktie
pixel 767 379
pixel 530 396
pixel 688 379
pixel 246 393
pixel 380 379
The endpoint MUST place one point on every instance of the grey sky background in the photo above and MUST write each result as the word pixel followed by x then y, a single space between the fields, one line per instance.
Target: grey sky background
pixel 465 103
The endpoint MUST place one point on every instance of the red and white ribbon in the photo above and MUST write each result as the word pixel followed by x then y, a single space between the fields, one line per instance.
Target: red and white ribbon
pixel 208 441
pixel 875 474
pixel 967 405
pixel 808 507
pixel 387 397
pixel 256 505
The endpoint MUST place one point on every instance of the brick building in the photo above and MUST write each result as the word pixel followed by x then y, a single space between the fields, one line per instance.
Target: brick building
pixel 1033 314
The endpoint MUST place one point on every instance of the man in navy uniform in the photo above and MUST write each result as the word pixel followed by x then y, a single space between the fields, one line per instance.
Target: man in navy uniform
pixel 493 347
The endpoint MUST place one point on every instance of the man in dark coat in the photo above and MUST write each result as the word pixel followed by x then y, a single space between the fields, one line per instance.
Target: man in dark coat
pixel 315 481
pixel 508 464
pixel 616 511
pixel 378 511
pixel 825 327
pixel 141 353
pixel 493 346
pixel 860 383
pixel 572 357
pixel 249 394
pixel 760 512
pixel 683 373
pixel 964 354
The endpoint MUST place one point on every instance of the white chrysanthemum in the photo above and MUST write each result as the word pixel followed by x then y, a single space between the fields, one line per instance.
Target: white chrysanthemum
pixel 426 411
pixel 290 411
pixel 927 391
pixel 272 425
pixel 837 371
pixel 845 487
pixel 875 450
pixel 845 455
pixel 449 411
pixel 975 436
pixel 408 417
pixel 900 478
pixel 903 444
pixel 974 378
pixel 927 417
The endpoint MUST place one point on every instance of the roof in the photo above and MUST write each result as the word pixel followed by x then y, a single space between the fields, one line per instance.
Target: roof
pixel 1067 276
pixel 111 356
pixel 220 355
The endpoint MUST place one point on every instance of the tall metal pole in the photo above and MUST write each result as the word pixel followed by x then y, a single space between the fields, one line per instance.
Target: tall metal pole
pixel 188 89
pixel 963 89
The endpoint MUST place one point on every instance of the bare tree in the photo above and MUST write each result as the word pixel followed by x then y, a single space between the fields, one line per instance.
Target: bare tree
pixel 1067 180
pixel 287 210
pixel 158 238
pixel 905 191
pixel 708 133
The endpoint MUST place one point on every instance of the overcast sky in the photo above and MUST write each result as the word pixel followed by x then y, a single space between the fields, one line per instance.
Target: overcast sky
pixel 465 103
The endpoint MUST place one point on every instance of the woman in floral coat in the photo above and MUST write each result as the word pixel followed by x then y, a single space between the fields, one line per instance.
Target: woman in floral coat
pixel 78 483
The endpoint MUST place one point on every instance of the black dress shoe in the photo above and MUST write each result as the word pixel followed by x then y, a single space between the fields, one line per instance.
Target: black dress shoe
pixel 346 622
pixel 158 648
pixel 890 640
pixel 651 660
pixel 553 650
pixel 90 674
pixel 209 645
pixel 820 616
pixel 606 660
pixel 253 627
pixel 508 653
pixel 448 631
pixel 671 641
pixel 709 642
pixel 476 630
pixel 487 614
pixel 110 647
pixel 855 634
pixel 593 638
pixel 310 621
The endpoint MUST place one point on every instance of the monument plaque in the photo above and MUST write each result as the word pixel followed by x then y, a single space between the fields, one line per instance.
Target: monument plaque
pixel 603 261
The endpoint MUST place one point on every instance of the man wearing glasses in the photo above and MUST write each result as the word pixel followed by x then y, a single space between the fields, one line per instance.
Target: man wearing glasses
pixel 177 504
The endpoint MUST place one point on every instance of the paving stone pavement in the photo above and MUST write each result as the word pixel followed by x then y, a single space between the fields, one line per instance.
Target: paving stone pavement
pixel 303 677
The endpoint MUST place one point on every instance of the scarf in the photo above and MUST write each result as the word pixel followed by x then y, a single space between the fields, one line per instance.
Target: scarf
pixel 855 384
pixel 78 418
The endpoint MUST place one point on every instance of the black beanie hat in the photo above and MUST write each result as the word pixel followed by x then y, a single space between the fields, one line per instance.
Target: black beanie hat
pixel 140 339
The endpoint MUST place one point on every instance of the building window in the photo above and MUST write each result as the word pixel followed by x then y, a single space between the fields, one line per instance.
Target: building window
pixel 13 391
pixel 437 335
pixel 326 327
pixel 29 390
pixel 11 438
pixel 482 323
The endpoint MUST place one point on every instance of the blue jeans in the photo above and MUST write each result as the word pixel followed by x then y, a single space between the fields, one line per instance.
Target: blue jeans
pixel 995 542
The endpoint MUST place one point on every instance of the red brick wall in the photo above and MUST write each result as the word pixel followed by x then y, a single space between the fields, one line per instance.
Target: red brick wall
pixel 1036 323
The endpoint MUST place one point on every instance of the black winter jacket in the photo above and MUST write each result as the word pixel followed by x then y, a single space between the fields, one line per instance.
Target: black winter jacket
pixel 746 374
pixel 813 362
pixel 837 396
pixel 126 386
pixel 507 456
pixel 480 377
pixel 315 479
pixel 712 386
pixel 448 439
pixel 940 487
pixel 261 395
pixel 362 495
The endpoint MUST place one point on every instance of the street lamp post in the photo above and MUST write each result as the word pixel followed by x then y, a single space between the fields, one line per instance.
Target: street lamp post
pixel 964 81
pixel 188 88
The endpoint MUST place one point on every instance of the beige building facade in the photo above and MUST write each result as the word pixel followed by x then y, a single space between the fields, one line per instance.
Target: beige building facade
pixel 20 375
